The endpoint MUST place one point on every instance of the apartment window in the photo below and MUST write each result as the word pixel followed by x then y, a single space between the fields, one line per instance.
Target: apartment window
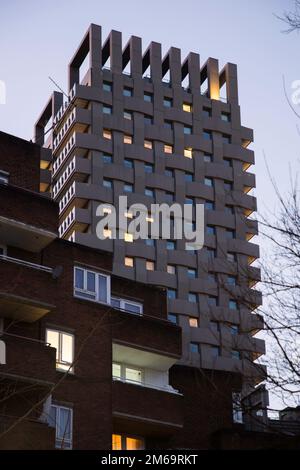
pixel 127 305
pixel 225 117
pixel 107 109
pixel 207 157
pixel 150 265
pixel 168 148
pixel 234 329
pixel 169 173
pixel 215 351
pixel 235 354
pixel 237 410
pixel 193 322
pixel 192 297
pixel 106 134
pixel 91 285
pixel 229 210
pixel 231 257
pixel 211 253
pixel 232 304
pixel 206 112
pixel 171 269
pixel 128 188
pixel 226 139
pixel 227 162
pixel 230 234
pixel 187 107
pixel 149 192
pixel 127 115
pixel 148 168
pixel 129 261
pixel 127 91
pixel 61 417
pixel 128 237
pixel 189 200
pixel 127 373
pixel 168 102
pixel 207 135
pixel 107 159
pixel 188 152
pixel 170 245
pixel 209 182
pixel 209 205
pixel 148 120
pixel 148 144
pixel 128 163
pixel 107 86
pixel 210 230
pixel 150 242
pixel 189 177
pixel 172 317
pixel 171 293
pixel 231 280
pixel 148 97
pixel 107 183
pixel 127 139
pixel 187 130
pixel 122 442
pixel 194 347
pixel 212 301
pixel 64 345
pixel 228 186
pixel 192 273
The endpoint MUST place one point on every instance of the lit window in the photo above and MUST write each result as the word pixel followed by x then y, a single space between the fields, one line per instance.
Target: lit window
pixel 232 304
pixel 64 345
pixel 127 115
pixel 61 418
pixel 107 110
pixel 171 269
pixel 171 293
pixel 193 322
pixel 148 97
pixel 149 168
pixel 172 317
pixel 150 265
pixel 128 163
pixel 127 139
pixel 128 188
pixel 107 183
pixel 209 182
pixel 207 158
pixel 128 237
pixel 107 134
pixel 187 107
pixel 127 91
pixel 194 347
pixel 129 261
pixel 168 102
pixel 168 148
pixel 122 442
pixel 188 152
pixel 192 297
pixel 207 135
pixel 148 144
pixel 225 117
pixel 91 285
pixel 187 130
pixel 107 86
pixel 107 159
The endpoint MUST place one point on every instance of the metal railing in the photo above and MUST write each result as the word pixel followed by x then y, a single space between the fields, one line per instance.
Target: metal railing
pixel 27 264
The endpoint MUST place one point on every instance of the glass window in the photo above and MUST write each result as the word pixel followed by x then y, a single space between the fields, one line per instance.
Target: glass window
pixel 171 269
pixel 192 273
pixel 209 182
pixel 209 205
pixel 212 301
pixel 61 418
pixel 187 130
pixel 234 330
pixel 148 97
pixel 225 117
pixel 231 257
pixel 4 176
pixel 231 280
pixel 122 442
pixel 168 149
pixel 107 86
pixel 149 192
pixel 107 183
pixel 189 200
pixel 187 107
pixel 149 168
pixel 214 326
pixel 127 139
pixel 169 173
pixel 107 134
pixel 168 102
pixel 230 233
pixel 170 245
pixel 128 188
pixel 116 370
pixel 107 110
pixel 227 162
pixel 171 293
pixel 172 317
pixel 215 351
pixel 107 158
pixel 128 163
pixel 211 253
pixel 235 354
pixel 237 410
pixel 133 375
pixel 116 442
pixel 189 177
pixel 228 186
pixel 91 285
pixel 208 158
pixel 232 304
pixel 148 120
pixel 168 125
pixel 210 230
pixel 188 152
pixel 127 115
pixel 193 322
pixel 207 135
pixel 148 144
pixel 192 297
pixel 150 242
pixel 150 265
pixel 127 91
pixel 206 112
pixel 194 347
pixel 129 261
pixel 226 139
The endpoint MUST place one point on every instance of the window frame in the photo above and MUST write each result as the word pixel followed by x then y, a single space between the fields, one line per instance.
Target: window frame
pixel 128 301
pixel 57 439
pixel 96 293
pixel 59 351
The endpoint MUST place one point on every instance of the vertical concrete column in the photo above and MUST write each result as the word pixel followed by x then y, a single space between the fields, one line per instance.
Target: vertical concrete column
pixel 213 78
pixel 155 61
pixel 135 45
pixel 194 72
pixel 231 83
pixel 175 66
pixel 115 44
pixel 95 58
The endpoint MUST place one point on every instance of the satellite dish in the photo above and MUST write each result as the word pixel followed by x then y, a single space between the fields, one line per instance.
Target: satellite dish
pixel 57 272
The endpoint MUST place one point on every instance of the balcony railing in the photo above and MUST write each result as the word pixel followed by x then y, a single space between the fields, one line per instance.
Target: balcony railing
pixel 64 177
pixel 166 388
pixel 28 264
pixel 64 154
pixel 64 129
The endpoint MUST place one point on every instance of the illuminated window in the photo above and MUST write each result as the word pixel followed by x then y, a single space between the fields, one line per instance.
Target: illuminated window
pixel 171 269
pixel 107 134
pixel 168 148
pixel 122 442
pixel 107 233
pixel 148 144
pixel 188 152
pixel 129 261
pixel 128 237
pixel 150 265
pixel 64 345
pixel 187 107
pixel 61 418
pixel 127 139
pixel 193 322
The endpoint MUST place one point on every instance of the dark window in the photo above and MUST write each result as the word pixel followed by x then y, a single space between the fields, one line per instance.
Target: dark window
pixel 107 86
pixel 128 163
pixel 172 317
pixel 127 92
pixel 148 97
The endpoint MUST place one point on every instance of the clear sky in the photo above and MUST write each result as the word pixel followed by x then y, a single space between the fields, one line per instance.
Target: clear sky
pixel 38 38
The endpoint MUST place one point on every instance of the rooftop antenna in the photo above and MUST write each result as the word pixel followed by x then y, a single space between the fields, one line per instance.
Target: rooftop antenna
pixel 57 86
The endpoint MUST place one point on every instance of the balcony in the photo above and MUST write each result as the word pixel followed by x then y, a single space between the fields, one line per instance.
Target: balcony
pixel 26 289
pixel 30 230
pixel 29 434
